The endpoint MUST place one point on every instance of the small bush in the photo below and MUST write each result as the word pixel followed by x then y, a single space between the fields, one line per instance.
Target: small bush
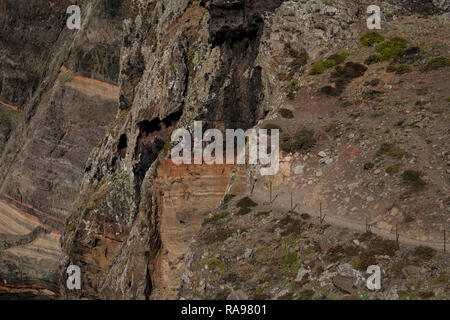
pixel 67 77
pixel 366 236
pixel 301 57
pixel 91 205
pixel 286 113
pixel 350 71
pixel 395 168
pixel 302 140
pixel 391 49
pixel 321 66
pixel 263 213
pixel 294 86
pixel 423 253
pixel 384 247
pixel 294 227
pixel 220 234
pixel 443 277
pixel 246 203
pixel 392 151
pixel 437 63
pixel 413 178
pixel 228 198
pixel 370 39
pixel 215 265
pixel 305 216
pixel 368 165
pixel 338 58
pixel 244 211
pixel 373 58
pixel 344 54
pixel 288 263
pixel 397 268
pixel 215 218
pixel 399 68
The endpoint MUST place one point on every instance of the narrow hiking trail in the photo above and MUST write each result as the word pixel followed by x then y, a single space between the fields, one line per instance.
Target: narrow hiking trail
pixel 90 86
pixel 9 106
pixel 282 201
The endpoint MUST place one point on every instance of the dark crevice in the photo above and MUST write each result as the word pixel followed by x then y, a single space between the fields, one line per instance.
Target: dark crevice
pixel 122 145
pixel 151 140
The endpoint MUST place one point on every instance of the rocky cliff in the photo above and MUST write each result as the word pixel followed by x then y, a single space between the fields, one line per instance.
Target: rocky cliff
pixel 85 144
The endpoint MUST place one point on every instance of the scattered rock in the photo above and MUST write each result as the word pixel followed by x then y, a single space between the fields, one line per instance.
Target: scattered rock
pixel 344 283
pixel 302 274
pixel 248 253
pixel 237 295
pixel 300 169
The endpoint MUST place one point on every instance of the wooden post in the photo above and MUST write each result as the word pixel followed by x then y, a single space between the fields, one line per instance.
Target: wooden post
pixel 292 204
pixel 396 233
pixel 270 195
pixel 444 243
pixel 320 213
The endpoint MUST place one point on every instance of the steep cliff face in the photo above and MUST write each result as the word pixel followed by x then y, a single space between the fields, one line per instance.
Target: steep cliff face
pixel 64 87
pixel 187 60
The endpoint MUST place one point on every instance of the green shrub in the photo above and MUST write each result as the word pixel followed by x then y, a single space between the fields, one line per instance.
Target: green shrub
pixel 371 38
pixel 67 77
pixel 286 113
pixel 91 205
pixel 321 66
pixel 437 63
pixel 263 213
pixel 368 165
pixel 423 253
pixel 215 265
pixel 246 202
pixel 395 168
pixel 288 263
pixel 399 68
pixel 244 211
pixel 215 217
pixel 344 54
pixel 294 226
pixel 295 86
pixel 373 58
pixel 391 49
pixel 443 278
pixel 228 198
pixel 413 178
pixel 220 234
pixel 392 151
pixel 302 140
pixel 397 268
pixel 366 236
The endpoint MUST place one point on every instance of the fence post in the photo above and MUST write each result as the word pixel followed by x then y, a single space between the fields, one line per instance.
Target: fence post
pixel 270 195
pixel 396 233
pixel 444 243
pixel 292 205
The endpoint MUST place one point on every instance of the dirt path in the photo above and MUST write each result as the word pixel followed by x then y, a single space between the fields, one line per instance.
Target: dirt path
pixel 283 200
pixel 92 87
pixel 4 104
